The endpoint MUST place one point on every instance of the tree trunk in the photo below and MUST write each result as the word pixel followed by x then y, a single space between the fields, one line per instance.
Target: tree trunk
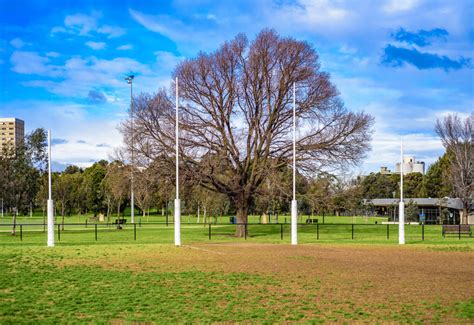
pixel 205 216
pixel 14 224
pixel 108 209
pixel 198 214
pixel 242 220
pixel 464 215
pixel 62 215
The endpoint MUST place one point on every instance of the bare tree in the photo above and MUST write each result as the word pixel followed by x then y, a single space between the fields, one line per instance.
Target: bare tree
pixel 116 181
pixel 236 118
pixel 144 190
pixel 457 136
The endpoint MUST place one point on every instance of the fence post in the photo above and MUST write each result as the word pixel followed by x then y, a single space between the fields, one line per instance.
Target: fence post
pixel 59 232
pixel 352 231
pixel 86 223
pixel 209 231
pixel 388 231
pixel 95 232
pixel 245 228
pixel 317 231
pixel 423 231
pixel 134 231
pixel 21 232
pixel 281 231
pixel 166 213
pixel 459 231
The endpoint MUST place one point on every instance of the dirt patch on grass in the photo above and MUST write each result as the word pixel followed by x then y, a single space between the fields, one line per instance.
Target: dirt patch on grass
pixel 339 282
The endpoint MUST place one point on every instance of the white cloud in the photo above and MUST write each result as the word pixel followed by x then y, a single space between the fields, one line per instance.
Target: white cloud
pixel 86 25
pixel 111 31
pixel 53 54
pixel 386 149
pixel 17 43
pixel 167 60
pixel 400 5
pixel 96 45
pixel 83 132
pixel 33 63
pixel 125 47
pixel 309 16
pixel 316 12
pixel 195 35
pixel 58 29
pixel 77 76
pixel 81 23
pixel 163 24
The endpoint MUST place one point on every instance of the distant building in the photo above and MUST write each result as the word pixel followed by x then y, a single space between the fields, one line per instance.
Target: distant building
pixel 12 131
pixel 385 171
pixel 430 210
pixel 410 165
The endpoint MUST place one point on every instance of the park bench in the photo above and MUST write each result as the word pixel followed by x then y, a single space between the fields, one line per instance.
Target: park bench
pixel 457 230
pixel 120 222
pixel 310 220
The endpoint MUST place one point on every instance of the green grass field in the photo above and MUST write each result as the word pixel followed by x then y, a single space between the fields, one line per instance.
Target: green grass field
pixel 136 275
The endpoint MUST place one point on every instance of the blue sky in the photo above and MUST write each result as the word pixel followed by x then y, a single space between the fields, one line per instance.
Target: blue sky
pixel 406 62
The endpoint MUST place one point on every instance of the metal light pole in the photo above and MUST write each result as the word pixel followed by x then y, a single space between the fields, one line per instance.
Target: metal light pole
pixel 132 198
pixel 50 200
pixel 294 203
pixel 401 207
pixel 177 202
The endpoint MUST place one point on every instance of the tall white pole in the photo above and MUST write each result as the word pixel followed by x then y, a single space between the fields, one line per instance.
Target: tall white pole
pixel 294 203
pixel 132 196
pixel 401 207
pixel 177 202
pixel 50 200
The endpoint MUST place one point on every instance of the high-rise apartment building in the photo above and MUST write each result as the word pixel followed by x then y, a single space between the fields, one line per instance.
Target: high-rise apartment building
pixel 12 131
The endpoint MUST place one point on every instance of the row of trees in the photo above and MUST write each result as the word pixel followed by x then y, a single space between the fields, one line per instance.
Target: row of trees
pixel 104 188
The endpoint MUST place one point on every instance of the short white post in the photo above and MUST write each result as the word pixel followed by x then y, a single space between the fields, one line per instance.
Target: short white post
pixel 294 222
pixel 50 200
pixel 177 202
pixel 294 203
pixel 401 206
pixel 177 222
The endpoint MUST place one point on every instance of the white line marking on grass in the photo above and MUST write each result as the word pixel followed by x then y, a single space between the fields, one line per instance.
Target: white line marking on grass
pixel 203 249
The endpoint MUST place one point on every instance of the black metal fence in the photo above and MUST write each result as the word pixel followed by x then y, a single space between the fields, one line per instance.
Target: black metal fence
pixel 198 232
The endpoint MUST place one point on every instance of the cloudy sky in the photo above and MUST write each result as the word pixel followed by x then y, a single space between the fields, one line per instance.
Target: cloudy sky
pixel 63 63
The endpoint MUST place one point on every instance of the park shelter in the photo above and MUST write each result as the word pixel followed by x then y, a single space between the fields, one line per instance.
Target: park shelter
pixel 430 210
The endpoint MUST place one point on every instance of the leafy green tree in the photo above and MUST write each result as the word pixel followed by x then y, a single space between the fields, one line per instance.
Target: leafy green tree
pixel 411 211
pixel 66 188
pixel 92 188
pixel 376 185
pixel 413 185
pixel 436 181
pixel 20 171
